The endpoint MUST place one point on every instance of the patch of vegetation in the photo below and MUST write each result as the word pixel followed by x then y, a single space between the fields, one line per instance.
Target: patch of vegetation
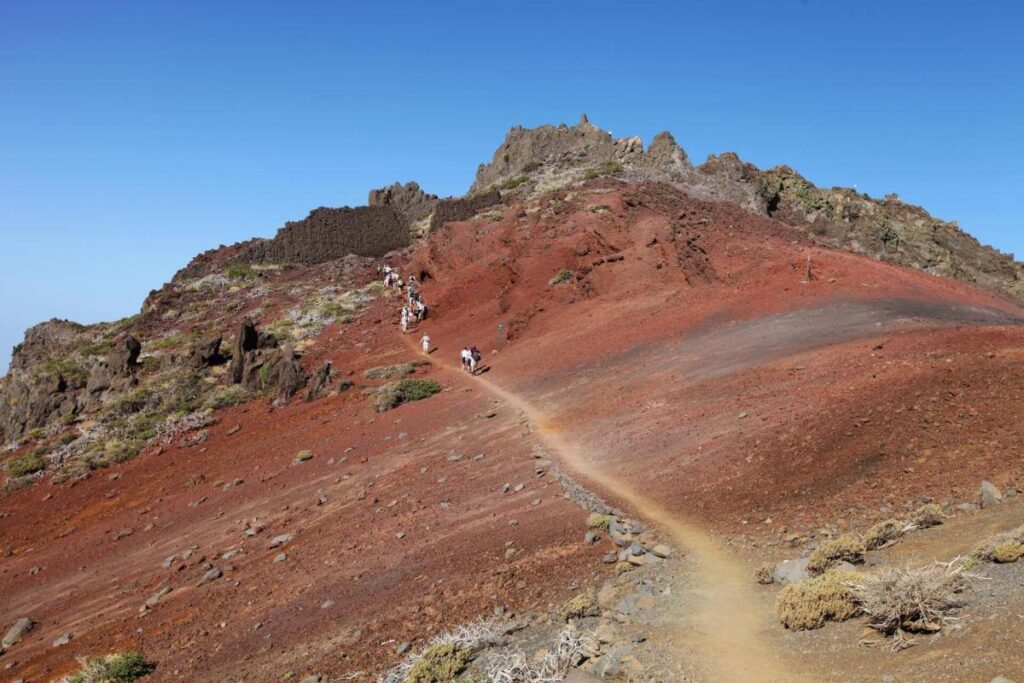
pixel 240 271
pixel 598 208
pixel 883 533
pixel 303 456
pixel 513 183
pixel 531 166
pixel 811 199
pixel 97 348
pixel 282 329
pixel 928 515
pixel 561 277
pixel 123 667
pixel 582 605
pixel 390 371
pixel 845 548
pixel 1001 548
pixel 68 368
pixel 403 391
pixel 909 600
pixel 175 340
pixel 596 520
pixel 225 396
pixel 439 664
pixel 16 484
pixel 812 603
pixel 611 168
pixel 764 574
pixel 21 465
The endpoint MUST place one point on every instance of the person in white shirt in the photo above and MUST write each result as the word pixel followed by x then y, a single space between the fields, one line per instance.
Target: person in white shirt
pixel 425 343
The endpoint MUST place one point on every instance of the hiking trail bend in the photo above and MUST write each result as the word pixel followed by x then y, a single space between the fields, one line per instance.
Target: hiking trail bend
pixel 728 627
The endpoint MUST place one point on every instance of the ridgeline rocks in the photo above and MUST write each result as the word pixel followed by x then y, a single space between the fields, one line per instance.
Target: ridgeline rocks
pixel 461 208
pixel 408 201
pixel 547 157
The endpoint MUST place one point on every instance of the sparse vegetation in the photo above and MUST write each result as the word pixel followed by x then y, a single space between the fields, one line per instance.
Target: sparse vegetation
pixel 582 605
pixel 68 367
pixel 403 391
pixel 909 600
pixel 239 271
pixel 390 371
pixel 1001 548
pixel 123 667
pixel 845 548
pixel 883 534
pixel 303 456
pixel 611 167
pixel 928 515
pixel 764 574
pixel 561 277
pixel 812 603
pixel 439 664
pixel 513 183
pixel 598 521
pixel 21 465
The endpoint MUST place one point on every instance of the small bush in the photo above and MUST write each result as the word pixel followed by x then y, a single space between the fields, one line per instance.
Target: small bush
pixel 1004 544
pixel 812 603
pixel 227 396
pixel 239 271
pixel 390 371
pixel 303 456
pixel 1007 552
pixel 29 463
pixel 123 667
pixel 765 574
pixel 927 516
pixel 582 605
pixel 845 548
pixel 561 277
pixel 598 521
pixel 882 534
pixel 439 664
pixel 392 395
pixel 915 600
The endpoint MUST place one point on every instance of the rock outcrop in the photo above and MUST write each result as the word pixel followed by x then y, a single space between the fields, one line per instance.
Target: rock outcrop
pixel 461 208
pixel 408 201
pixel 887 229
pixel 260 363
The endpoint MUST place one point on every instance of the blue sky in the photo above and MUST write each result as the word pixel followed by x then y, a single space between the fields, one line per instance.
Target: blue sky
pixel 136 134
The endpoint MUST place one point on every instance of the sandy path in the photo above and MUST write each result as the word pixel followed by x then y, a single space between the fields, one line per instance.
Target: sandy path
pixel 728 626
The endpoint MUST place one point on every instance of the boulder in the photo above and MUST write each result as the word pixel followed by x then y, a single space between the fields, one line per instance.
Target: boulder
pixel 791 571
pixel 320 383
pixel 989 495
pixel 19 630
pixel 205 354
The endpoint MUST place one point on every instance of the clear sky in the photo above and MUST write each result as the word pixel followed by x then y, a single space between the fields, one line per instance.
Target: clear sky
pixel 135 134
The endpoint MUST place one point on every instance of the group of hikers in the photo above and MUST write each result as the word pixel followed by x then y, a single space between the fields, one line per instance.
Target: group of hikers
pixel 415 308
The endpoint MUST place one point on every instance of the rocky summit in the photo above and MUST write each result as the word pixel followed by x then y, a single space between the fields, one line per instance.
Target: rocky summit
pixel 640 420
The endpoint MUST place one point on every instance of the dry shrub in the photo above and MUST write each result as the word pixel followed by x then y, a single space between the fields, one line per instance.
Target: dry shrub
pixel 927 516
pixel 919 600
pixel 581 605
pixel 845 548
pixel 883 534
pixel 812 603
pixel 1004 545
pixel 765 574
pixel 439 663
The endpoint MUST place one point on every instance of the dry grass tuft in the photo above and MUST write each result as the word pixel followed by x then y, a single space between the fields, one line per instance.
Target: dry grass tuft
pixel 1005 545
pixel 845 548
pixel 812 603
pixel 1008 551
pixel 883 534
pixel 927 516
pixel 581 605
pixel 898 601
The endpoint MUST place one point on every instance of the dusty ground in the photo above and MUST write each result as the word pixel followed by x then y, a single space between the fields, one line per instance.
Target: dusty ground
pixel 690 371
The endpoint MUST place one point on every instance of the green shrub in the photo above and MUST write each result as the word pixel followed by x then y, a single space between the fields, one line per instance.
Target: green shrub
pixel 845 548
pixel 513 183
pixel 595 520
pixel 123 667
pixel 68 368
pixel 390 371
pixel 239 271
pixel 29 463
pixel 303 456
pixel 611 167
pixel 439 664
pixel 1008 551
pixel 97 348
pixel 225 396
pixel 403 391
pixel 561 277
pixel 579 606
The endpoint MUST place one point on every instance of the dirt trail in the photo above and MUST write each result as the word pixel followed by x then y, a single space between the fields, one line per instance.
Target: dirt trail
pixel 728 627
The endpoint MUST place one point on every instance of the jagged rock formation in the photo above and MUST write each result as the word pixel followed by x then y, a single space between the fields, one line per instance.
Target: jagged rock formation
pixel 328 234
pixel 205 354
pixel 46 341
pixel 886 229
pixel 461 208
pixel 408 201
pixel 117 372
pixel 260 363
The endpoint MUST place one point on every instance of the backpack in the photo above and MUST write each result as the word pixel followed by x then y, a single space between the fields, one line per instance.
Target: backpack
pixel 475 353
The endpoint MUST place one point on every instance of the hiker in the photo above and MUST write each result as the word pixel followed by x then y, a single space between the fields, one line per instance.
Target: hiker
pixel 425 343
pixel 474 359
pixel 421 310
pixel 405 319
pixel 466 357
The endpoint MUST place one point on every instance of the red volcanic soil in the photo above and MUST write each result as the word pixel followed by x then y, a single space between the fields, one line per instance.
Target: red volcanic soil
pixel 692 357
pixel 689 355
pixel 391 541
